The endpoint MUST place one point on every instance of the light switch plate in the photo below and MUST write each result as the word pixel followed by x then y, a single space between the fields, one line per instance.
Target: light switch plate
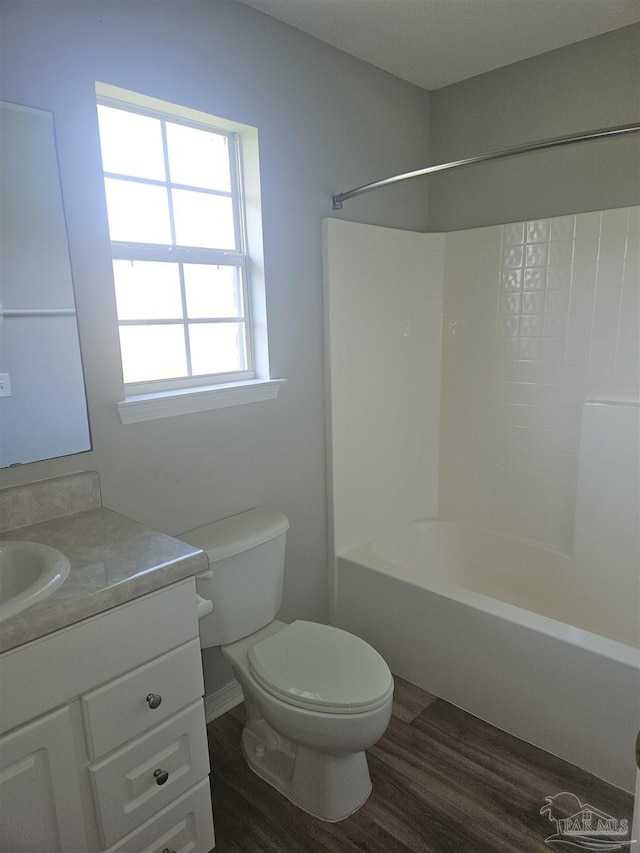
pixel 5 385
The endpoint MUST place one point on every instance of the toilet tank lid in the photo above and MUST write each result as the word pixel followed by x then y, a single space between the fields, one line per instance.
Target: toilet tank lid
pixel 237 533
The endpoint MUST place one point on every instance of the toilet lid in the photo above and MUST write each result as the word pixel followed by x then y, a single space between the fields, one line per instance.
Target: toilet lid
pixel 321 668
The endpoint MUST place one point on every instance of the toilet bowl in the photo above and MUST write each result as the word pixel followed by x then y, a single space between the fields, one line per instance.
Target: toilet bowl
pixel 316 697
pixel 314 756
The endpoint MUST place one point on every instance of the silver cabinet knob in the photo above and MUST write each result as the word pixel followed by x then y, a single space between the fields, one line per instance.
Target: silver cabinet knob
pixel 153 700
pixel 161 776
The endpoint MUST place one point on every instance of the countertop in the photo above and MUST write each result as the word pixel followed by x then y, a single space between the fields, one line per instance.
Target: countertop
pixel 113 560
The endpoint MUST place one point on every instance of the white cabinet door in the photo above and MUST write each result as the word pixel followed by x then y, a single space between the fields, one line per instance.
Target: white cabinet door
pixel 40 804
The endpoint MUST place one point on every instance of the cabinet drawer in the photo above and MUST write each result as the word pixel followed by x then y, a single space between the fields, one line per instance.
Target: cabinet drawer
pixel 61 666
pixel 119 711
pixel 126 790
pixel 186 825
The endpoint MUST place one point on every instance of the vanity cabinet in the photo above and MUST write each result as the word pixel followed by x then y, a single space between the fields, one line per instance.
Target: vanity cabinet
pixel 39 788
pixel 104 745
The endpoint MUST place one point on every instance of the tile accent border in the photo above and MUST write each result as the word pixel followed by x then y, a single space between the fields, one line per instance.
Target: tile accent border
pixel 44 500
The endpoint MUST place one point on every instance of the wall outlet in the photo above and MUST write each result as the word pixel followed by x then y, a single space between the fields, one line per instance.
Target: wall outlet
pixel 5 385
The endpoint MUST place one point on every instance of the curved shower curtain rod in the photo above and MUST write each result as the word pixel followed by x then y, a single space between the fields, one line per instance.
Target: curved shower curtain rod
pixel 603 133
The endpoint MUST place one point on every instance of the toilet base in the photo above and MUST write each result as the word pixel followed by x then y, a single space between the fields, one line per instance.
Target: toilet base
pixel 329 787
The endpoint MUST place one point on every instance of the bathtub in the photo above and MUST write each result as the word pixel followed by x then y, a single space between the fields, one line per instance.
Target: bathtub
pixel 516 634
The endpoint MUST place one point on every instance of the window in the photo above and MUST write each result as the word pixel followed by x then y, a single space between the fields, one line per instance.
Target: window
pixel 182 269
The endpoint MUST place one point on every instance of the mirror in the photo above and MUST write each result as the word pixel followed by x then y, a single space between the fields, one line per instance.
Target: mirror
pixel 43 408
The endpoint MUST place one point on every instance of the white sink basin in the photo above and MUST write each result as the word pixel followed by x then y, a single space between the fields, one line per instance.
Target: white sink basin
pixel 29 572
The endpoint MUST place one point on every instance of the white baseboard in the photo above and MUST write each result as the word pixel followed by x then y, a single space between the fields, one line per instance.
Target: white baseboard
pixel 222 700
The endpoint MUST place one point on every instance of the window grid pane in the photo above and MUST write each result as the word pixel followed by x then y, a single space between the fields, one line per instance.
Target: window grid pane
pixel 153 352
pixel 208 211
pixel 198 158
pixel 217 347
pixel 131 143
pixel 213 336
pixel 203 220
pixel 213 291
pixel 147 290
pixel 137 212
pixel 157 351
pixel 177 319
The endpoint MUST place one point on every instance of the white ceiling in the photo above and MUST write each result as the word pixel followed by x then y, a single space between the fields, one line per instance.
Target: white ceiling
pixel 433 43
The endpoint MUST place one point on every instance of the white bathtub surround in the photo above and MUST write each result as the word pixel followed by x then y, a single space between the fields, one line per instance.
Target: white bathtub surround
pixel 457 610
pixel 383 327
pixel 539 317
pixel 607 535
pixel 536 317
pixel 524 610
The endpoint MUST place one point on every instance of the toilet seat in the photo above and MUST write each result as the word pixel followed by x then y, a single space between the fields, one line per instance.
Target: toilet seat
pixel 321 668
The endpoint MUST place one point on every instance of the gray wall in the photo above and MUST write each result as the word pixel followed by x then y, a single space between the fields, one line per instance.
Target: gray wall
pixel 326 122
pixel 592 84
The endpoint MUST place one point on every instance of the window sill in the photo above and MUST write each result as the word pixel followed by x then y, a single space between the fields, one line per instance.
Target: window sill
pixel 168 404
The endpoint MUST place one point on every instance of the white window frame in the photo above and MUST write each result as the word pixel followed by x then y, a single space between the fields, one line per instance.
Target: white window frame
pixel 165 398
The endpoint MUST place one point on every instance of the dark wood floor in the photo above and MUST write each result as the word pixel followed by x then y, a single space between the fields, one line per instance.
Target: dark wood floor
pixel 443 781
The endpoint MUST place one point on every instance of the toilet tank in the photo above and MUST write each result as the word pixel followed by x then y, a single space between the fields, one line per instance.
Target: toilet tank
pixel 246 560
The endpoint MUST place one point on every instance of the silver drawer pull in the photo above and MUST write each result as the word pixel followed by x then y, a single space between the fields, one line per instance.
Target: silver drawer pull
pixel 166 850
pixel 160 776
pixel 153 700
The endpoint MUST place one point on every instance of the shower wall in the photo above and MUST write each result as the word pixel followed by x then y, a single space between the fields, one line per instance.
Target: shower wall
pixel 383 341
pixel 458 365
pixel 539 316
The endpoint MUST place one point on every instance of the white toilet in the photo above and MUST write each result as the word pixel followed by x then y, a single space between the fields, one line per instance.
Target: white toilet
pixel 316 697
